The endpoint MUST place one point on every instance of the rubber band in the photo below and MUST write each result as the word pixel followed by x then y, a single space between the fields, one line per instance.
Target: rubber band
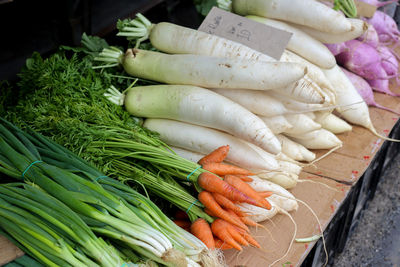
pixel 190 174
pixel 191 205
pixel 100 177
pixel 30 165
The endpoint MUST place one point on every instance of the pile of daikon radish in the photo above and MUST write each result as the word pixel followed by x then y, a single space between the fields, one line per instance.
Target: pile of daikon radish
pixel 216 92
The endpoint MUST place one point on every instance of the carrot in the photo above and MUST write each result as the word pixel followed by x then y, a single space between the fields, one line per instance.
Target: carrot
pixel 235 234
pixel 214 184
pixel 218 155
pixel 221 244
pixel 214 208
pixel 225 169
pixel 248 237
pixel 218 228
pixel 225 202
pixel 183 224
pixel 181 215
pixel 244 178
pixel 248 190
pixel 202 230
pixel 266 194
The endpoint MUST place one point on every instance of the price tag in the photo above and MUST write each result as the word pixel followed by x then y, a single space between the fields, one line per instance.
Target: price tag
pixel 365 9
pixel 260 37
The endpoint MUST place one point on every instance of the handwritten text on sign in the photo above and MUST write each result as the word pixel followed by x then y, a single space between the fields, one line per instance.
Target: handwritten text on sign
pixel 260 37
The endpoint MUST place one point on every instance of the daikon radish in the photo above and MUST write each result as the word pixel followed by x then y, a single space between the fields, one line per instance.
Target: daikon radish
pixel 187 154
pixel 305 12
pixel 277 124
pixel 358 27
pixel 332 123
pixel 281 197
pixel 295 150
pixel 285 179
pixel 204 140
pixel 174 39
pixel 255 101
pixel 318 139
pixel 302 44
pixel 301 124
pixel 197 106
pixel 206 71
pixel 258 214
pixel 354 109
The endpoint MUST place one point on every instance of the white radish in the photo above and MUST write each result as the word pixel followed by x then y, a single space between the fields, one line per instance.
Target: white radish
pixel 277 124
pixel 174 39
pixel 358 27
pixel 332 123
pixel 255 101
pixel 285 179
pixel 301 124
pixel 204 140
pixel 258 214
pixel 187 154
pixel 305 12
pixel 352 106
pixel 198 106
pixel 318 139
pixel 295 150
pixel 207 71
pixel 302 44
pixel 283 198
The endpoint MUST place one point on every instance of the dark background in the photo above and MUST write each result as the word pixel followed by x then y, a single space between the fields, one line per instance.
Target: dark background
pixel 43 25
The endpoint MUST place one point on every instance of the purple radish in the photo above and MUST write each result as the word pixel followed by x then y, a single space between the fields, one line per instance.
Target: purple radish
pixel 365 90
pixel 389 61
pixel 385 26
pixel 336 49
pixel 381 86
pixel 363 60
pixel 378 3
pixel 370 37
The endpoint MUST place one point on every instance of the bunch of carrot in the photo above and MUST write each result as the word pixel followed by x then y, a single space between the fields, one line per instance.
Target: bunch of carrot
pixel 220 196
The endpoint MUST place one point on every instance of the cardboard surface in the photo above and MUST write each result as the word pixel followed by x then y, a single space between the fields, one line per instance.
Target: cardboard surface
pixel 8 252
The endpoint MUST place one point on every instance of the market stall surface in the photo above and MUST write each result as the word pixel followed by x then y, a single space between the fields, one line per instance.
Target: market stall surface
pixel 376 239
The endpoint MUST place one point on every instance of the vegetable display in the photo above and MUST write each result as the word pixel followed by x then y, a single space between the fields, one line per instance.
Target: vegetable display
pixel 167 156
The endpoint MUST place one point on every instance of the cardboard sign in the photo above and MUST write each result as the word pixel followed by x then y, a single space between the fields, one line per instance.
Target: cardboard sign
pixel 260 37
pixel 364 9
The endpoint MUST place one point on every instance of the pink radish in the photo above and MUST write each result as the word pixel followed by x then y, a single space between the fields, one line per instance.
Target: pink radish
pixel 370 37
pixel 336 49
pixel 385 26
pixel 389 61
pixel 381 86
pixel 363 60
pixel 365 90
pixel 378 3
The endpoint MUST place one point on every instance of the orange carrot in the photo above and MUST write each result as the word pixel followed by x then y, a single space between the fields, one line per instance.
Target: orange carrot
pixel 265 194
pixel 213 207
pixel 221 244
pixel 219 230
pixel 202 230
pixel 182 223
pixel 235 234
pixel 214 184
pixel 181 215
pixel 248 237
pixel 244 178
pixel 225 202
pixel 225 169
pixel 218 155
pixel 233 214
pixel 248 190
